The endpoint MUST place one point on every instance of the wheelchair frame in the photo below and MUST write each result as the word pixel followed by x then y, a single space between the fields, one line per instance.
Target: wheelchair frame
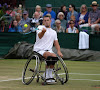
pixel 37 70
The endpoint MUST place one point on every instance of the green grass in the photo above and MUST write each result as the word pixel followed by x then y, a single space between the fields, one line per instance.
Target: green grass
pixel 12 69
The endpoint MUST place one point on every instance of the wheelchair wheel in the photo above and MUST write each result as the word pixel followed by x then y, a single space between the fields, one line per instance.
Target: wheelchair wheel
pixel 60 71
pixel 30 69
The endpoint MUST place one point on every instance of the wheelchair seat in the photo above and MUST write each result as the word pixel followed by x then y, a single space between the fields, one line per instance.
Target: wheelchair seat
pixel 39 55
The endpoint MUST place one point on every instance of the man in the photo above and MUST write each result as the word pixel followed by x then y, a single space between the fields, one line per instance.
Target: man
pixel 45 39
pixel 50 11
pixel 94 18
pixel 25 20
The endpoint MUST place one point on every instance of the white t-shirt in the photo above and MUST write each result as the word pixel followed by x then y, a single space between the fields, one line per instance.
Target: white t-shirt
pixel 81 17
pixel 46 42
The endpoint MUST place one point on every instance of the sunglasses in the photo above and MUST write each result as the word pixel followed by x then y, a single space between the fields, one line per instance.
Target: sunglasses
pixel 71 23
pixel 83 8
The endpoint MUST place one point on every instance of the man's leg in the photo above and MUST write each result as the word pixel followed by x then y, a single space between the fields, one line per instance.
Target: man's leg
pixel 93 28
pixel 49 68
pixel 97 29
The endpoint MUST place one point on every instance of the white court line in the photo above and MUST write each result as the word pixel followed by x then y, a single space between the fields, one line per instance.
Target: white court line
pixel 60 74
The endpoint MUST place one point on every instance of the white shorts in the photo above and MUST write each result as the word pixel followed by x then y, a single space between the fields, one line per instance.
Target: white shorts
pixel 43 51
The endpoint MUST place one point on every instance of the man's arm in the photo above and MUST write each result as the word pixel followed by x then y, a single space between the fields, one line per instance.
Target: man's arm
pixel 41 34
pixel 96 22
pixel 56 43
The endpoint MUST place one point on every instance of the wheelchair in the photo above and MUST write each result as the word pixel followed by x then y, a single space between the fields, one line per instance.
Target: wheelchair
pixel 36 66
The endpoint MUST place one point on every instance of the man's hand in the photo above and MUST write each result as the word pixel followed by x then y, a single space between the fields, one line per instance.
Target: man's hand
pixel 60 54
pixel 43 30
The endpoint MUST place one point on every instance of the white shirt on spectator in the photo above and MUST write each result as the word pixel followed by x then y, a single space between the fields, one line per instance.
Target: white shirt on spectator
pixel 47 41
pixel 81 17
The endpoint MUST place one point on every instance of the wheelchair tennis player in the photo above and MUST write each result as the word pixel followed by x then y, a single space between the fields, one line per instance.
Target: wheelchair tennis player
pixel 45 39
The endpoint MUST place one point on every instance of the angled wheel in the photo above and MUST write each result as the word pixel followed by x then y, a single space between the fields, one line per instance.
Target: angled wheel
pixel 30 69
pixel 60 71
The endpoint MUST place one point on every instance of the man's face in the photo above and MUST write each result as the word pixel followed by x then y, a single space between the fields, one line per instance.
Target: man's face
pixel 36 15
pixel 49 9
pixel 47 21
pixel 94 7
pixel 25 16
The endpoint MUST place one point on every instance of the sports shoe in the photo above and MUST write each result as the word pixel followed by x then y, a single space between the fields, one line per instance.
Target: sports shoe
pixel 50 82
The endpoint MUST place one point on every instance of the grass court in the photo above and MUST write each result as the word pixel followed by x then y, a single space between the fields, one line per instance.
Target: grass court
pixel 82 76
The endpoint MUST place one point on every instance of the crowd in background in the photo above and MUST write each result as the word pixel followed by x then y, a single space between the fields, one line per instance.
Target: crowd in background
pixel 17 19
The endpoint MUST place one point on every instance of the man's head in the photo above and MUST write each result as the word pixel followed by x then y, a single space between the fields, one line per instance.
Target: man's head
pixel 36 15
pixel 25 14
pixel 94 5
pixel 47 21
pixel 49 7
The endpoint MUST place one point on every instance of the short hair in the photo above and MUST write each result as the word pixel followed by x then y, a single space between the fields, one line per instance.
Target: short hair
pixel 17 14
pixel 57 21
pixel 46 16
pixel 38 6
pixel 60 13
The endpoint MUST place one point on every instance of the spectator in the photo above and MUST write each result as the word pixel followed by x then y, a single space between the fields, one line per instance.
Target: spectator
pixel 58 27
pixel 3 27
pixel 15 27
pixel 61 18
pixel 19 10
pixel 50 11
pixel 25 19
pixel 64 10
pixel 72 11
pixel 72 28
pixel 34 22
pixel 73 18
pixel 94 18
pixel 38 9
pixel 52 20
pixel 83 15
pixel 36 17
pixel 10 12
pixel 18 18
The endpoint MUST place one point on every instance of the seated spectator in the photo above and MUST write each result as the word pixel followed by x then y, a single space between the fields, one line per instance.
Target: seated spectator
pixel 64 10
pixel 94 18
pixel 15 27
pixel 3 27
pixel 52 20
pixel 61 18
pixel 73 18
pixel 83 16
pixel 18 18
pixel 25 19
pixel 72 28
pixel 10 12
pixel 58 28
pixel 50 11
pixel 34 22
pixel 72 11
pixel 36 17
pixel 19 10
pixel 38 9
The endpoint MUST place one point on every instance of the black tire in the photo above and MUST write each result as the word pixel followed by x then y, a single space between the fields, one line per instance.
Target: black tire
pixel 62 72
pixel 30 71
